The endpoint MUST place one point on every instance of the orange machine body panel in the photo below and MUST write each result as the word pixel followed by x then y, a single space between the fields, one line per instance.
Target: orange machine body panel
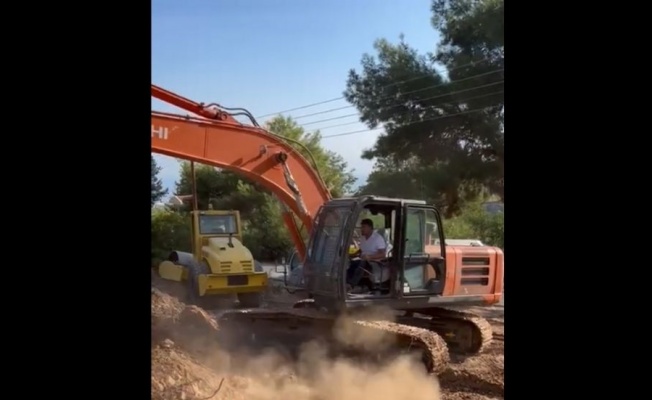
pixel 471 271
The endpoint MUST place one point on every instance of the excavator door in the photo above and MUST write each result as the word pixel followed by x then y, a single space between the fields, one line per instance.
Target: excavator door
pixel 424 251
pixel 327 252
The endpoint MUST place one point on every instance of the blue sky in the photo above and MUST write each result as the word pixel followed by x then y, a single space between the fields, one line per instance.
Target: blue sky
pixel 273 55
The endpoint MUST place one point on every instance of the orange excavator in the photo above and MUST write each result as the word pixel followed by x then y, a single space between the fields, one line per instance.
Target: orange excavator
pixel 420 279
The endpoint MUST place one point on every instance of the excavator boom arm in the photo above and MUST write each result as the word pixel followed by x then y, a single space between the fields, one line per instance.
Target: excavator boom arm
pixel 249 151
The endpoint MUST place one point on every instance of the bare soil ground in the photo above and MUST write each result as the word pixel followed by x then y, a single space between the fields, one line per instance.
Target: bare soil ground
pixel 189 363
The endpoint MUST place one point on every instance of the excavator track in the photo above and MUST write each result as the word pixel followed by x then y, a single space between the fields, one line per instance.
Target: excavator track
pixel 315 324
pixel 464 332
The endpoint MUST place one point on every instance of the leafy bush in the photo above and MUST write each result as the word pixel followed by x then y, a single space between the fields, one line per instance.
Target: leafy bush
pixel 265 234
pixel 170 231
pixel 475 223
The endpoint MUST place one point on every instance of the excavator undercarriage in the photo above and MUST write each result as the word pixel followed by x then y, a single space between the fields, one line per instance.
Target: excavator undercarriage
pixel 429 333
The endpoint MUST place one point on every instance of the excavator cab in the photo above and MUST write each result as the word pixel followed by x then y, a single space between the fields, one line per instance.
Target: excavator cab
pixel 412 272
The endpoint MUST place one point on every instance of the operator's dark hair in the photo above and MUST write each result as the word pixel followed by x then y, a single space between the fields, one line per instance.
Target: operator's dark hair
pixel 367 222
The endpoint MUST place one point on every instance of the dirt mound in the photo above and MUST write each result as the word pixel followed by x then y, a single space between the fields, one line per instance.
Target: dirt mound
pixel 180 336
pixel 188 363
pixel 165 306
pixel 177 375
pixel 188 326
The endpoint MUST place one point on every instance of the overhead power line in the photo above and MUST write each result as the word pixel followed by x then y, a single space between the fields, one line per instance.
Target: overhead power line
pixel 457 102
pixel 399 104
pixel 406 93
pixel 386 86
pixel 411 123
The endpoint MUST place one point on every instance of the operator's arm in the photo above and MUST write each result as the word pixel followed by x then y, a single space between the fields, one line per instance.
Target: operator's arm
pixel 380 246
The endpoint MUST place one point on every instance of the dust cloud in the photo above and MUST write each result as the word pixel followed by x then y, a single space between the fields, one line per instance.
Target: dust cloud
pixel 185 365
pixel 315 376
pixel 350 334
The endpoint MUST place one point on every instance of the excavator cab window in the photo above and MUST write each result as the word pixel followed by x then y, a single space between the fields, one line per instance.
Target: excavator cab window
pixel 325 249
pixel 373 278
pixel 424 252
pixel 414 231
pixel 294 260
pixel 414 264
pixel 383 220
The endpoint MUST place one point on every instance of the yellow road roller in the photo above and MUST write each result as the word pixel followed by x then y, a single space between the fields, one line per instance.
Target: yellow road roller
pixel 219 264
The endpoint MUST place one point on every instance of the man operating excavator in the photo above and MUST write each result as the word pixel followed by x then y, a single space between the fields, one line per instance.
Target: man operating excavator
pixel 372 247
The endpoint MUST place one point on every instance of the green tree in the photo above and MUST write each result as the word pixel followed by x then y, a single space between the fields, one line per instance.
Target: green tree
pixel 394 178
pixel 473 32
pixel 448 117
pixel 158 191
pixel 264 231
pixel 212 184
pixel 170 231
pixel 475 222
